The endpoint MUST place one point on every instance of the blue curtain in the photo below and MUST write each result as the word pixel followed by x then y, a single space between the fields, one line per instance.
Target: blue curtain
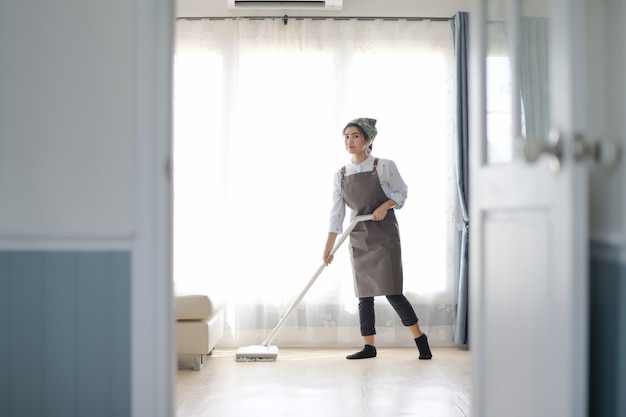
pixel 460 30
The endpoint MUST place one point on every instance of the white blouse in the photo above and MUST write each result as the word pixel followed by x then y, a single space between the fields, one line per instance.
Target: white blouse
pixel 390 180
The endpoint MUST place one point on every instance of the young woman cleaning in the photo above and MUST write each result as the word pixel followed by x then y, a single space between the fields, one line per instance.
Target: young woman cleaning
pixel 370 185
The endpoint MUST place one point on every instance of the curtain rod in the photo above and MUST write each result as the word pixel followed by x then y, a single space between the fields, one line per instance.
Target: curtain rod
pixel 286 17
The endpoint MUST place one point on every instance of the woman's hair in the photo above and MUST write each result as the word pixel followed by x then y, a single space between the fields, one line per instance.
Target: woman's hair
pixel 363 132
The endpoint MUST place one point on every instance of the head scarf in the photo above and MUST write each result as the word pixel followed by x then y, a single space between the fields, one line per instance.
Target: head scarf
pixel 368 126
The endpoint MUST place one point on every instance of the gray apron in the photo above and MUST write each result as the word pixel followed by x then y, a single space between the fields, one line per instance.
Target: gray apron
pixel 374 246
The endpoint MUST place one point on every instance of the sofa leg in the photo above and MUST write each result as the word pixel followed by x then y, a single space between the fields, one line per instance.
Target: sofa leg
pixel 198 361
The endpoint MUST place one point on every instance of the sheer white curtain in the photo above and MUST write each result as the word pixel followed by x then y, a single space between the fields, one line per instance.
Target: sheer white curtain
pixel 259 107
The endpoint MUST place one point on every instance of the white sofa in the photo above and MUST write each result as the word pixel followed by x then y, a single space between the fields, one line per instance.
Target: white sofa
pixel 199 325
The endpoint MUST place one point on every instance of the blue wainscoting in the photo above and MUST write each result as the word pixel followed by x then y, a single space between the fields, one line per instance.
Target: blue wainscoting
pixel 65 334
pixel 607 364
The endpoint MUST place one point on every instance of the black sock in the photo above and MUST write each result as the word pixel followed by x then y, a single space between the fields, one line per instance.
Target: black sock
pixel 368 351
pixel 422 345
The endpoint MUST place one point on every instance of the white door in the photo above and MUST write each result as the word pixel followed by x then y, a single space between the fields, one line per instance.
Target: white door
pixel 528 220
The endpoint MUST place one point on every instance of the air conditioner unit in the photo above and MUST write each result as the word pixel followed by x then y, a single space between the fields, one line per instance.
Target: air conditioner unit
pixel 323 5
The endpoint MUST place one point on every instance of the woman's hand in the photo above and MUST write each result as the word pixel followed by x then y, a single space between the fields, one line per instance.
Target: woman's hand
pixel 328 258
pixel 381 211
pixel 328 248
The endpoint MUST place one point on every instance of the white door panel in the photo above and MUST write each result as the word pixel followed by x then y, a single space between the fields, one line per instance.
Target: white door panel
pixel 528 221
pixel 516 331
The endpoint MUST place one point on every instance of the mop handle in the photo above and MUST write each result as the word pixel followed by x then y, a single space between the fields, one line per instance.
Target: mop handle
pixel 356 220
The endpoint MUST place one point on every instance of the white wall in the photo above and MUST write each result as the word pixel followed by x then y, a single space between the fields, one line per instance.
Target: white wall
pixel 61 114
pixel 356 8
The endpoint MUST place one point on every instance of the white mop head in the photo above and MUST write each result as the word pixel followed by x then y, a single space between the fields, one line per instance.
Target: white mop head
pixel 253 353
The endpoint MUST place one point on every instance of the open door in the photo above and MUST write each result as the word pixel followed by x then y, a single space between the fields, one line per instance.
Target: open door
pixel 528 209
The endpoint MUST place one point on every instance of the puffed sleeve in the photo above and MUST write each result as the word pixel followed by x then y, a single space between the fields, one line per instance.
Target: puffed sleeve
pixel 337 207
pixel 393 185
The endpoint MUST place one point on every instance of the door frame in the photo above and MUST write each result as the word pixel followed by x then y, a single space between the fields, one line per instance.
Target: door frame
pixel 152 356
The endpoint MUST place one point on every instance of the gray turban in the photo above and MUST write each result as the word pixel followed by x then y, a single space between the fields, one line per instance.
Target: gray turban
pixel 368 126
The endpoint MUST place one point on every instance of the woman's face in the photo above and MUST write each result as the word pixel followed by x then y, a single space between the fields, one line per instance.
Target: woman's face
pixel 354 140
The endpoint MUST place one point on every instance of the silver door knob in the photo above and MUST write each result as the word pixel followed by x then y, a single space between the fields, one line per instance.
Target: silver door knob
pixel 534 148
pixel 601 152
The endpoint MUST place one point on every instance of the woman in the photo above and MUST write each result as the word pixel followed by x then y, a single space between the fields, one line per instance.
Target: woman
pixel 370 185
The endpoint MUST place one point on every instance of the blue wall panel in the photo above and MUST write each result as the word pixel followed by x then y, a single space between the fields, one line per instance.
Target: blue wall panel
pixel 26 334
pixel 60 333
pixel 5 393
pixel 64 334
pixel 607 346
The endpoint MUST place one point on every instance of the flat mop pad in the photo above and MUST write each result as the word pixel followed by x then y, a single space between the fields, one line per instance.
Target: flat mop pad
pixel 256 353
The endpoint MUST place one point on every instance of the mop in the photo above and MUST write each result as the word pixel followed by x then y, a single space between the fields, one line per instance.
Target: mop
pixel 266 351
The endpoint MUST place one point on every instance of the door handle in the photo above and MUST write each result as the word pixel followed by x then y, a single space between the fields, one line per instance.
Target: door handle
pixel 534 148
pixel 601 152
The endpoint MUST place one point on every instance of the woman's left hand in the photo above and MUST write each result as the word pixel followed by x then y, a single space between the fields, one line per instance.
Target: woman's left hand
pixel 380 213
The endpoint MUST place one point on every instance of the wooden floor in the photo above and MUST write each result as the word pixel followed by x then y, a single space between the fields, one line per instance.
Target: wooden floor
pixel 322 383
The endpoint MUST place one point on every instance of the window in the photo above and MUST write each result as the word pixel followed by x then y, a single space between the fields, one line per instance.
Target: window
pixel 258 115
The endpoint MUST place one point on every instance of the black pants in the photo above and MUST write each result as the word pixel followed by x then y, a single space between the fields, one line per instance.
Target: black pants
pixel 398 302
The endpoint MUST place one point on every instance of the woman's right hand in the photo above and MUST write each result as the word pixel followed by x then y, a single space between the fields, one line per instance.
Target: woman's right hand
pixel 328 258
pixel 328 248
